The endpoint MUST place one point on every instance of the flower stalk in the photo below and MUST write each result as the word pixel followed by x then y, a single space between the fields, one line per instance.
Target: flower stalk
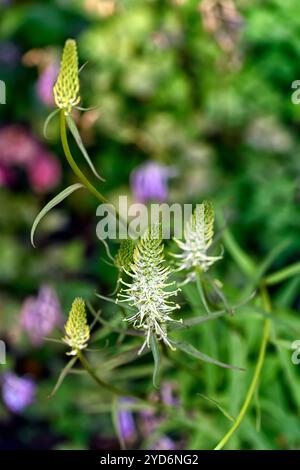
pixel 80 175
pixel 257 373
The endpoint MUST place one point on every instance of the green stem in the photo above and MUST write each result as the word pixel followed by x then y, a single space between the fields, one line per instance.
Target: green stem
pixel 114 390
pixel 257 372
pixel 84 180
pixel 97 379
pixel 72 163
pixel 201 292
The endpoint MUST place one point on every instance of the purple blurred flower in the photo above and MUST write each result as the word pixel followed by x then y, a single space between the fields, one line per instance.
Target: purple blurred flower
pixel 17 392
pixel 149 182
pixel 149 422
pixel 164 443
pixel 40 315
pixel 44 85
pixel 149 419
pixel 5 2
pixel 167 394
pixel 9 53
pixel 44 172
pixel 126 422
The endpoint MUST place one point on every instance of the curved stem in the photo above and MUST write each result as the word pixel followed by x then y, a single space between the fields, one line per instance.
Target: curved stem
pixel 80 175
pixel 72 163
pixel 97 379
pixel 254 383
pixel 114 390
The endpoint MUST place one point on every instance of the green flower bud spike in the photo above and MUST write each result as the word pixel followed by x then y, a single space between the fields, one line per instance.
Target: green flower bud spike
pixel 124 256
pixel 77 329
pixel 198 237
pixel 66 88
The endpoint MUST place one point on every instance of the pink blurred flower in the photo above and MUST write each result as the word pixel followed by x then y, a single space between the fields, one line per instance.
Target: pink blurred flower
pixel 44 172
pixel 44 85
pixel 6 176
pixel 17 392
pixel 40 315
pixel 17 145
pixel 19 148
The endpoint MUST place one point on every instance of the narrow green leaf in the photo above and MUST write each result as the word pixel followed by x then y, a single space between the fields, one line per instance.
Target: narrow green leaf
pixel 223 297
pixel 189 349
pixel 74 131
pixel 283 274
pixel 241 258
pixel 62 375
pixel 190 322
pixel 56 200
pixel 157 360
pixel 124 331
pixel 214 402
pixel 201 292
pixel 47 122
pixel 288 292
pixel 82 67
pixel 270 258
pixel 116 422
pixel 91 108
pixel 250 310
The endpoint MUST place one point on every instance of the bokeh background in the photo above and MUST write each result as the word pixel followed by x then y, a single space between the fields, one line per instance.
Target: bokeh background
pixel 194 102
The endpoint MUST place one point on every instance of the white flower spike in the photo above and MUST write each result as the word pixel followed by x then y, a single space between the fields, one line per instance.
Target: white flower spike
pixel 149 292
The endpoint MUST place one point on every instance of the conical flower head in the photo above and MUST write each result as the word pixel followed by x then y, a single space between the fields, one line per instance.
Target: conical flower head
pixel 198 237
pixel 149 291
pixel 77 329
pixel 124 256
pixel 66 88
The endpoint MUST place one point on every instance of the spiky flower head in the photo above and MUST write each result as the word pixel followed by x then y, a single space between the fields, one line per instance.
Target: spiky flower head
pixel 198 237
pixel 149 290
pixel 77 329
pixel 66 88
pixel 124 256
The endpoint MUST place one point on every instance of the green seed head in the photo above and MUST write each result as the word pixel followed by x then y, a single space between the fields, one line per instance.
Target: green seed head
pixel 77 329
pixel 66 88
pixel 203 221
pixel 198 237
pixel 124 256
